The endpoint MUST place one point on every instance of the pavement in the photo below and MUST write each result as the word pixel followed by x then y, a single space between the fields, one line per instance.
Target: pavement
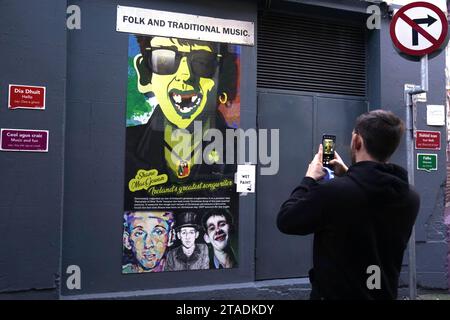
pixel 444 296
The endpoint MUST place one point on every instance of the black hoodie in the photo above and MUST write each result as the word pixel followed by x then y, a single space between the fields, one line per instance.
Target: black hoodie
pixel 361 219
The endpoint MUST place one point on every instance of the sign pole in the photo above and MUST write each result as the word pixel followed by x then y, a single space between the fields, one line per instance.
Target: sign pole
pixel 410 92
pixel 424 72
pixel 410 106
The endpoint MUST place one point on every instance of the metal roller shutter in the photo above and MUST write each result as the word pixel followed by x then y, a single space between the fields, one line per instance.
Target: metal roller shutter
pixel 309 54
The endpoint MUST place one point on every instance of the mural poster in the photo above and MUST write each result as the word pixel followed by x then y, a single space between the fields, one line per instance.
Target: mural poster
pixel 181 206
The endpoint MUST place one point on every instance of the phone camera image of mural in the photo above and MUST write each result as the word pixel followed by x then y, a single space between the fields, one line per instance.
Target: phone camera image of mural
pixel 328 146
pixel 180 213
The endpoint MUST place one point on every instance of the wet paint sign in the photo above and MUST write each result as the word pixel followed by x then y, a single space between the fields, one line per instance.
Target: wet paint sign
pixel 24 140
pixel 430 140
pixel 427 162
pixel 245 179
pixel 26 97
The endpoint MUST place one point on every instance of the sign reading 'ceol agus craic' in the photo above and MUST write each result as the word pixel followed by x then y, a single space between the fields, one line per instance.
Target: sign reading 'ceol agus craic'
pixel 186 26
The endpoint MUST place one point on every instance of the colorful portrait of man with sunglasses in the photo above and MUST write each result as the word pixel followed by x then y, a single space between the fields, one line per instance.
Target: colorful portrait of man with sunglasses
pixel 184 81
pixel 180 73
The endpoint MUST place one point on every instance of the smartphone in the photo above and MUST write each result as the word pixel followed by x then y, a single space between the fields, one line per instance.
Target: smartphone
pixel 329 145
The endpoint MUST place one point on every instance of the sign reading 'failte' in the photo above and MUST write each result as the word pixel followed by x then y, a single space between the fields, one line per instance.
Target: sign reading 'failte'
pixel 26 97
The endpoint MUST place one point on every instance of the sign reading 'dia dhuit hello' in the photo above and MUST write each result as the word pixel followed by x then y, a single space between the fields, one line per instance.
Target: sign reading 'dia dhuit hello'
pixel 24 140
pixel 186 26
pixel 26 97
pixel 427 162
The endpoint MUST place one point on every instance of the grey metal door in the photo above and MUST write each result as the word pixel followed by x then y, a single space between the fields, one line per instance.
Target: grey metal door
pixel 277 254
pixel 301 119
pixel 311 81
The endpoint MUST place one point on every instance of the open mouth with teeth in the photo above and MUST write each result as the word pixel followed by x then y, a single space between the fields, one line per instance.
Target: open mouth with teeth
pixel 220 237
pixel 185 102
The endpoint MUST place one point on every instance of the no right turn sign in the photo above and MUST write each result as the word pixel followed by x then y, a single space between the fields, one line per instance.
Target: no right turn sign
pixel 419 28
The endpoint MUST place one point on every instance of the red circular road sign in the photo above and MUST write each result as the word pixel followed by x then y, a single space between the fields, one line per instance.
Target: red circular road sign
pixel 410 37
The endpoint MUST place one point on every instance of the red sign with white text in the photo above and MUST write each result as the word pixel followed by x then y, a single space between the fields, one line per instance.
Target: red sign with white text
pixel 428 140
pixel 26 97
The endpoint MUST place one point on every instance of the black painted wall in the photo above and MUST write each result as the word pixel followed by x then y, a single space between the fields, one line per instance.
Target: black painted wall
pixel 95 151
pixel 33 52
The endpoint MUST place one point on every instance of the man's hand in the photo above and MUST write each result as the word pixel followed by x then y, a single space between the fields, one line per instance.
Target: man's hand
pixel 315 168
pixel 338 165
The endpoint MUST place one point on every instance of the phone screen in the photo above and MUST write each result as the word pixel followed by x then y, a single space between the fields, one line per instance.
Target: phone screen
pixel 329 145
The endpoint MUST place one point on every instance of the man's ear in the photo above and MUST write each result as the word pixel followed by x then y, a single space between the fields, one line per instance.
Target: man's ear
pixel 144 75
pixel 206 238
pixel 197 234
pixel 358 142
pixel 126 240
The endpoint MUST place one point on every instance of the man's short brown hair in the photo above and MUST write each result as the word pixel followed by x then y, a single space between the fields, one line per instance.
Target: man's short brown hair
pixel 381 131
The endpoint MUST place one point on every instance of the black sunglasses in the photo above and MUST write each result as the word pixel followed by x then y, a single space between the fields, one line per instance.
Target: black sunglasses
pixel 202 63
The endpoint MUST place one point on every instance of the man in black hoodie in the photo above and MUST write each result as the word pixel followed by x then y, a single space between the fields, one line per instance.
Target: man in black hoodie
pixel 362 218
